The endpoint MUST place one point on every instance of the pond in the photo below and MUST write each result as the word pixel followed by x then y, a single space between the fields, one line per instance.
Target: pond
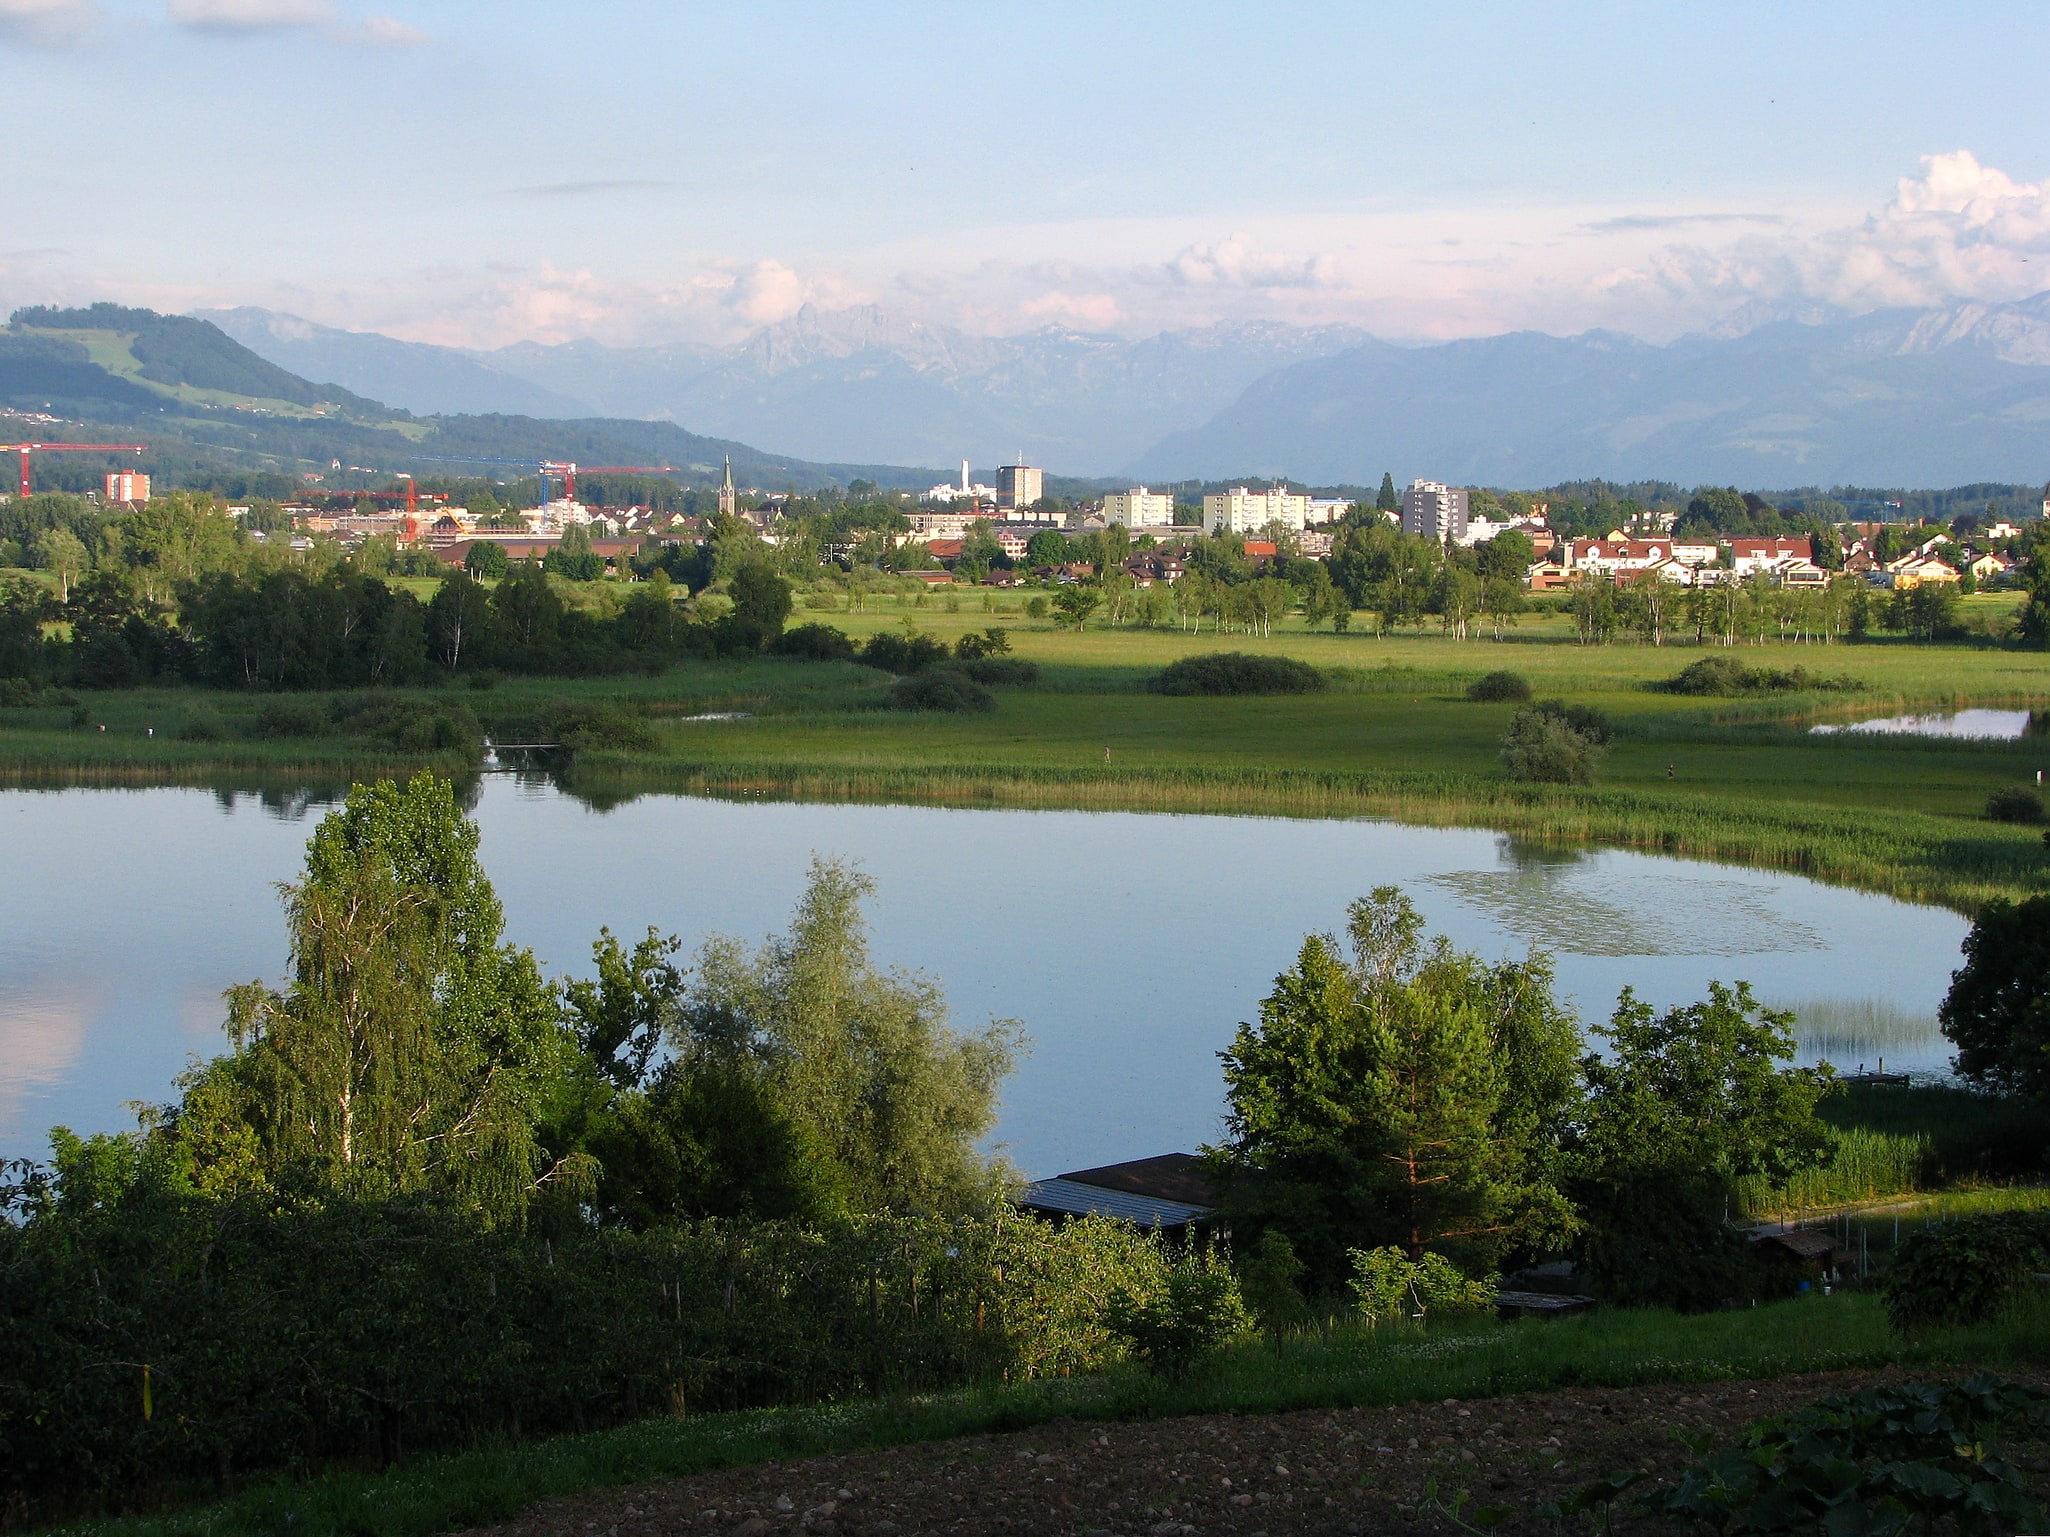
pixel 1130 945
pixel 1981 725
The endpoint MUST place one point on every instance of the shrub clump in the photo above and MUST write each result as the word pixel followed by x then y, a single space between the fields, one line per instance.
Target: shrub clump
pixel 1000 671
pixel 2014 804
pixel 1967 1270
pixel 587 727
pixel 1555 743
pixel 904 655
pixel 1387 1284
pixel 945 688
pixel 1198 1310
pixel 1499 687
pixel 814 643
pixel 1725 676
pixel 1237 672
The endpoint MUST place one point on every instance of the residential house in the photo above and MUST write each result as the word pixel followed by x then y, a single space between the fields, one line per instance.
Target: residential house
pixel 1912 571
pixel 1749 555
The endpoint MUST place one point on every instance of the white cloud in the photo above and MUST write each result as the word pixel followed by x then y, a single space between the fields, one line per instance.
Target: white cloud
pixel 381 32
pixel 47 23
pixel 249 15
pixel 1235 262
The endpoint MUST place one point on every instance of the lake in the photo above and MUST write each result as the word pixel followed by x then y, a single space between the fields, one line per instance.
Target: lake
pixel 1130 945
pixel 1969 725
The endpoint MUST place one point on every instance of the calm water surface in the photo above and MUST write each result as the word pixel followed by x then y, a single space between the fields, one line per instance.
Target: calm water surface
pixel 1130 945
pixel 1982 725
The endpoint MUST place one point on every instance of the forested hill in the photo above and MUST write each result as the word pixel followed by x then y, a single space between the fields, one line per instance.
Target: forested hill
pixel 209 407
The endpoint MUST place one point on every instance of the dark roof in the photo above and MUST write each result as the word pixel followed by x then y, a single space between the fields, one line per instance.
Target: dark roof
pixel 1169 1177
pixel 1803 1242
pixel 1072 1198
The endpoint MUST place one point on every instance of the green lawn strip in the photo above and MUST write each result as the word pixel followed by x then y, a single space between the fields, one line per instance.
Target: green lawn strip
pixel 1350 1366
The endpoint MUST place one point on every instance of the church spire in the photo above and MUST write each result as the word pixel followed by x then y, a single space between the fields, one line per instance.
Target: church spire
pixel 726 504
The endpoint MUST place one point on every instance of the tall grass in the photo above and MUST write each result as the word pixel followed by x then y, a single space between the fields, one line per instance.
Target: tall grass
pixel 1350 1366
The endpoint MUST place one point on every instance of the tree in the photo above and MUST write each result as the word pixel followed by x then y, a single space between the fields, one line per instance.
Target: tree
pixel 411 1052
pixel 1546 744
pixel 573 558
pixel 1508 555
pixel 486 557
pixel 1073 605
pixel 461 624
pixel 1385 500
pixel 761 603
pixel 1997 1012
pixel 860 1063
pixel 1678 1106
pixel 61 553
pixel 1051 547
pixel 1399 1094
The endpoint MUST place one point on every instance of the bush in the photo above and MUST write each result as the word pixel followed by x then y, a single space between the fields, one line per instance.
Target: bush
pixel 407 725
pixel 1197 1310
pixel 1035 607
pixel 584 727
pixel 1269 1280
pixel 814 643
pixel 1236 672
pixel 1001 671
pixel 204 726
pixel 2014 804
pixel 1967 1270
pixel 16 693
pixel 1551 743
pixel 904 655
pixel 1388 1284
pixel 993 641
pixel 1725 675
pixel 291 717
pixel 946 689
pixel 1498 687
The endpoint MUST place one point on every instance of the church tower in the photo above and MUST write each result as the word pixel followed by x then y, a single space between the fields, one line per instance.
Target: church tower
pixel 726 490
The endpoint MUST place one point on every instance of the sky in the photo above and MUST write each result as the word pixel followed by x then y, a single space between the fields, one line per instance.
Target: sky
pixel 684 173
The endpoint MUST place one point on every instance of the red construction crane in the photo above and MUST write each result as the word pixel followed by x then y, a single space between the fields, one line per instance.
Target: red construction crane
pixel 25 449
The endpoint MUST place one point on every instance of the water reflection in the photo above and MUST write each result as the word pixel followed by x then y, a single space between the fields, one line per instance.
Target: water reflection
pixel 1130 945
pixel 1977 725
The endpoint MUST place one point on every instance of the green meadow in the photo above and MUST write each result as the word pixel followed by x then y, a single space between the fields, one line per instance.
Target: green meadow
pixel 1741 780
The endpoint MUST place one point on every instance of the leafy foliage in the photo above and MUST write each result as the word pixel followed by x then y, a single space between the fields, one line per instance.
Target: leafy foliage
pixel 1497 687
pixel 1402 1094
pixel 1884 1460
pixel 1547 744
pixel 2014 803
pixel 946 689
pixel 1723 675
pixel 1196 1309
pixel 1997 1012
pixel 1236 672
pixel 1387 1284
pixel 1966 1270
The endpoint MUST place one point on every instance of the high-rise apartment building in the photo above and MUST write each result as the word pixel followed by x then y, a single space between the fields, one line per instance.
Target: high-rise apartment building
pixel 1139 508
pixel 1239 511
pixel 1019 486
pixel 1434 511
pixel 127 486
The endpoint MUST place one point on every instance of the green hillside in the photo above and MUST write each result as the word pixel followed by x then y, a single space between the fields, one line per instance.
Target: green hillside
pixel 208 406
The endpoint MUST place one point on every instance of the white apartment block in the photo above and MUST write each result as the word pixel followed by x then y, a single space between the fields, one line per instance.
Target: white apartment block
pixel 1239 511
pixel 1019 486
pixel 1434 511
pixel 1139 508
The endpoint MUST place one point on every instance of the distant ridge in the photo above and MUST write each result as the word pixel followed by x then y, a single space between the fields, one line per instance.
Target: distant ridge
pixel 206 402
pixel 1909 397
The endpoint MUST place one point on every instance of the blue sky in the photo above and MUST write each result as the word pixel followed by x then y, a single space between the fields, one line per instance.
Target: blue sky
pixel 483 174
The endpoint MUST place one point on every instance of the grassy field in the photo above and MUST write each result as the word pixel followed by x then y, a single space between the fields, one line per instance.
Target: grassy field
pixel 1738 780
pixel 1350 1366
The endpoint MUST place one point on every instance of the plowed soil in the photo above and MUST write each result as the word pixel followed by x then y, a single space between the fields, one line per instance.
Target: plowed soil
pixel 1346 1471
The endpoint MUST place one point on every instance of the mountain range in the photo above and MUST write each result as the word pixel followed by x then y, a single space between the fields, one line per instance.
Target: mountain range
pixel 208 406
pixel 1923 397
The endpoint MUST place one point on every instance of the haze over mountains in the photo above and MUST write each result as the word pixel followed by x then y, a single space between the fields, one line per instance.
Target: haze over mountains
pixel 1905 397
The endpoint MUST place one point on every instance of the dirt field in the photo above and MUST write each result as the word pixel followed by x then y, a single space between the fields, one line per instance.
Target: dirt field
pixel 1349 1471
